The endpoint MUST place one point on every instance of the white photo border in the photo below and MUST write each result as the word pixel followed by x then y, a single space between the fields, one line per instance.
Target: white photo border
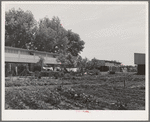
pixel 42 115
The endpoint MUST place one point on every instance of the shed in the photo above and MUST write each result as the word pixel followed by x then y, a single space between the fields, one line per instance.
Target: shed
pixel 139 59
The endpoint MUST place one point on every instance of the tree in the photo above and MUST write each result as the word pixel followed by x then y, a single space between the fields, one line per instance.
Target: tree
pixel 22 31
pixel 67 60
pixel 51 36
pixel 82 64
pixel 20 28
pixel 75 44
pixel 94 64
pixel 41 62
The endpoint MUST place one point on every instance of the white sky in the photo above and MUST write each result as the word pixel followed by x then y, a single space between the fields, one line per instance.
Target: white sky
pixel 110 31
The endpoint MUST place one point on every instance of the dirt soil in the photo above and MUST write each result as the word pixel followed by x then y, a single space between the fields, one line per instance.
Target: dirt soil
pixel 103 92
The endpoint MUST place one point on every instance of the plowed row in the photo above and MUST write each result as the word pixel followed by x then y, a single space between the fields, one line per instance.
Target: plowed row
pixel 98 94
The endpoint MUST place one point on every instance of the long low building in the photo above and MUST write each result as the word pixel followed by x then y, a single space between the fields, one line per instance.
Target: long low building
pixel 18 55
pixel 139 60
pixel 113 65
pixel 107 65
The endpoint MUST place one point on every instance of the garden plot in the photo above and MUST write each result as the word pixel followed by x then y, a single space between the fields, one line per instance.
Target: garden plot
pixel 102 92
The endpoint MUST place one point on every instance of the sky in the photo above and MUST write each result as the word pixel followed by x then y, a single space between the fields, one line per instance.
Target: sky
pixel 111 31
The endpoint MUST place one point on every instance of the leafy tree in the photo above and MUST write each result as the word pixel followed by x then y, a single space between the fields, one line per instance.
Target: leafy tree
pixel 51 36
pixel 75 44
pixel 94 64
pixel 67 60
pixel 22 31
pixel 20 28
pixel 41 62
pixel 82 64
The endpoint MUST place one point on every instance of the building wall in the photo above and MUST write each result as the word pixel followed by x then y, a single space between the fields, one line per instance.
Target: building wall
pixel 139 58
pixel 18 55
pixel 109 64
pixel 113 66
pixel 104 68
pixel 101 62
pixel 141 69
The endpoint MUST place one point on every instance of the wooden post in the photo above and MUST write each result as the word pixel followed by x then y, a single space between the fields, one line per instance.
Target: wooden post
pixel 11 77
pixel 9 66
pixel 16 69
pixel 18 55
pixel 10 72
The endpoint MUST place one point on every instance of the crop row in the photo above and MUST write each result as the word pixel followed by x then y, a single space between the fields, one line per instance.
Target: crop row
pixel 45 98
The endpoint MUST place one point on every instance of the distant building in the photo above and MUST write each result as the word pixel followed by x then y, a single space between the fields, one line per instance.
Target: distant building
pixel 110 65
pixel 139 60
pixel 113 65
pixel 17 56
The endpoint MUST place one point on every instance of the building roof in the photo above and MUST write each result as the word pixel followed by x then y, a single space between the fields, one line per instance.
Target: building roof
pixel 31 50
pixel 113 62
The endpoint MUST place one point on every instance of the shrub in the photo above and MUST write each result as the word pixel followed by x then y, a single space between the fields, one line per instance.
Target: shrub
pixel 37 68
pixel 111 72
pixel 72 73
pixel 94 72
pixel 67 75
pixel 32 99
pixel 142 87
pixel 21 67
pixel 56 74
pixel 45 73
